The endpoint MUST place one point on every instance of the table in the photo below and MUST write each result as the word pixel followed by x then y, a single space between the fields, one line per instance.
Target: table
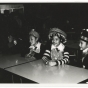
pixel 7 61
pixel 41 73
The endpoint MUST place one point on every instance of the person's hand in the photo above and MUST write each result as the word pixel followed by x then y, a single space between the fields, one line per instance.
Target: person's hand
pixel 30 58
pixel 28 55
pixel 15 42
pixel 51 63
pixel 44 58
pixel 31 50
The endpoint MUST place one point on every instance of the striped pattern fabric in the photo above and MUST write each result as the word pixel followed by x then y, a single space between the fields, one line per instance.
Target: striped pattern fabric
pixel 47 57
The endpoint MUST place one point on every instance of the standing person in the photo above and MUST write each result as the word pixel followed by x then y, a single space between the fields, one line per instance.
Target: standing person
pixel 82 60
pixel 56 52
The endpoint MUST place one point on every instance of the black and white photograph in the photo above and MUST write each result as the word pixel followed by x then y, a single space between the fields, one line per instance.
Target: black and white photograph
pixel 44 43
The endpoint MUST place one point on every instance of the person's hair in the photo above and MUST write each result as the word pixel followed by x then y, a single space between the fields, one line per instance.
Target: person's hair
pixel 35 37
pixel 59 36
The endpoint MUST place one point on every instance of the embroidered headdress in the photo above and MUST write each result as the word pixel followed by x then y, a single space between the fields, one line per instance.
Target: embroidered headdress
pixel 58 32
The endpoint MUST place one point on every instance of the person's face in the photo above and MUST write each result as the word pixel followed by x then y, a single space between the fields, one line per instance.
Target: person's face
pixel 32 40
pixel 55 41
pixel 83 45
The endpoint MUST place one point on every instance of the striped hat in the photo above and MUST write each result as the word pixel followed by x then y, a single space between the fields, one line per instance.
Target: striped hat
pixel 59 32
pixel 84 35
pixel 34 33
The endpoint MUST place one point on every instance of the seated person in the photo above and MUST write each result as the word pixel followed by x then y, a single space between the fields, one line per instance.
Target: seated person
pixel 56 53
pixel 11 41
pixel 35 48
pixel 12 46
pixel 82 55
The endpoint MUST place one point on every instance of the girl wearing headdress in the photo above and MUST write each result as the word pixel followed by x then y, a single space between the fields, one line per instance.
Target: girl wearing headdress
pixel 56 52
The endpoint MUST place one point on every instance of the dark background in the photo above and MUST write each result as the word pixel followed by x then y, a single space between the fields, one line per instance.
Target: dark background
pixel 70 17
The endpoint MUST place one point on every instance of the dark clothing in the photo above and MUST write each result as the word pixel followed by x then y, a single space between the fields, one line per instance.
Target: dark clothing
pixel 11 48
pixel 39 55
pixel 79 61
pixel 26 50
pixel 85 62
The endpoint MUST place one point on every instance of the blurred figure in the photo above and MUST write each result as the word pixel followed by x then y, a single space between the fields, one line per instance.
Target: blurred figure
pixel 13 45
pixel 82 53
pixel 11 41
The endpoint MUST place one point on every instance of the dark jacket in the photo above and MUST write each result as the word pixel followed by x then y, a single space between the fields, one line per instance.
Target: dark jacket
pixel 11 48
pixel 26 50
pixel 79 62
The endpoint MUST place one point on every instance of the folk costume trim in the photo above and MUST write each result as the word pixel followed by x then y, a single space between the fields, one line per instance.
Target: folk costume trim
pixel 84 35
pixel 58 32
pixel 47 57
pixel 56 51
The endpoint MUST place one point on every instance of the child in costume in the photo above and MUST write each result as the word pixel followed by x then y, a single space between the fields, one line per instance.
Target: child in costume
pixel 36 49
pixel 82 60
pixel 56 53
